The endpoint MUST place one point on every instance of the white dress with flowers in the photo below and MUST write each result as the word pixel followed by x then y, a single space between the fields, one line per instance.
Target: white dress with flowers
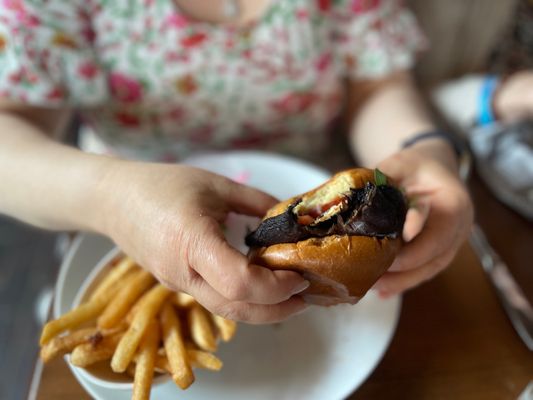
pixel 155 84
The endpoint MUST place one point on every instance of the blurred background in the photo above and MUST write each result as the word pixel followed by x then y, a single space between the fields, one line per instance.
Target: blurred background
pixel 466 37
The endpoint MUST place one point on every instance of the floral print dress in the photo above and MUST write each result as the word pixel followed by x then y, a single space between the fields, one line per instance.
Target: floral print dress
pixel 155 84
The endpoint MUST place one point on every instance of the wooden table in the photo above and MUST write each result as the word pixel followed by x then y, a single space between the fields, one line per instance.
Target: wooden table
pixel 453 339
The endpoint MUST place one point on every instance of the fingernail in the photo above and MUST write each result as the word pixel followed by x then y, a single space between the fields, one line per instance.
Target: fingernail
pixel 301 287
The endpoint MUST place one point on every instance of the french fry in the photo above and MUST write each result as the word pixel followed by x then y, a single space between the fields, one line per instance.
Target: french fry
pixel 226 327
pixel 175 350
pixel 83 313
pixel 127 295
pixel 150 306
pixel 197 358
pixel 60 345
pixel 183 300
pixel 205 360
pixel 89 353
pixel 200 327
pixel 63 344
pixel 144 369
pixel 125 266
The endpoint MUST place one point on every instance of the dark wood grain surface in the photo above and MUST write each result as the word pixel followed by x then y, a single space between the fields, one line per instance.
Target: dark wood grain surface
pixel 453 339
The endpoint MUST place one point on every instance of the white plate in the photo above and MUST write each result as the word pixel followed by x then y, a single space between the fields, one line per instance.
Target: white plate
pixel 324 353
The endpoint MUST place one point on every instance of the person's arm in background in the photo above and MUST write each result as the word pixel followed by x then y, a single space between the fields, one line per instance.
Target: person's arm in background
pixel 166 217
pixel 385 113
pixel 514 97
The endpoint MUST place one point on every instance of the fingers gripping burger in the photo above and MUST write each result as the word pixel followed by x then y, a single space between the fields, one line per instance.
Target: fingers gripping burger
pixel 342 236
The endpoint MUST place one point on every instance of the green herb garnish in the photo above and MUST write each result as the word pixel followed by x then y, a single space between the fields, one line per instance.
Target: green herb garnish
pixel 379 178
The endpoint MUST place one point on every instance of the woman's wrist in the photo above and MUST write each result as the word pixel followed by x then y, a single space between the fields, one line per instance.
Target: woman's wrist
pixel 437 149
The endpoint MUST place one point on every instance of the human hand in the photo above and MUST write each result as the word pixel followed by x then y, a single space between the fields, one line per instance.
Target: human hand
pixel 514 99
pixel 439 219
pixel 167 218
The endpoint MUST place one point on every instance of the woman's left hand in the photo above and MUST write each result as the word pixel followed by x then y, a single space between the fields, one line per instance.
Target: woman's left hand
pixel 439 218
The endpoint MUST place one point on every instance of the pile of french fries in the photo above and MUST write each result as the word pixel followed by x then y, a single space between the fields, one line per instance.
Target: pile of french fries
pixel 141 327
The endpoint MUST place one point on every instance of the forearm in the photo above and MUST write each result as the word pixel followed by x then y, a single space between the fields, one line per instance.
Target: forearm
pixel 46 183
pixel 391 112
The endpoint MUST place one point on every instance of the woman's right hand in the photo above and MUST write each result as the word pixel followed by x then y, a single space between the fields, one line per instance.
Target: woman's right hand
pixel 167 218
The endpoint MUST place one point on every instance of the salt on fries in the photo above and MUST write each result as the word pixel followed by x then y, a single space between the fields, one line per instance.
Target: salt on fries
pixel 140 328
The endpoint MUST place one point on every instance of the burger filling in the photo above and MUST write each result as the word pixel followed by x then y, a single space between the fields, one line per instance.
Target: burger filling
pixel 336 209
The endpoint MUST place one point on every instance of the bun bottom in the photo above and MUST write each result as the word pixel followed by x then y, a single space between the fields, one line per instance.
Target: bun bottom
pixel 340 268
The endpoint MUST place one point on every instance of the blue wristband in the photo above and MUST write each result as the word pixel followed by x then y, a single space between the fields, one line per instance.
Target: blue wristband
pixel 486 114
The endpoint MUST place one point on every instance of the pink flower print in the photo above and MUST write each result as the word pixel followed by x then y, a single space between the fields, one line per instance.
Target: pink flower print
pixel 127 119
pixel 302 14
pixel 294 103
pixel 230 43
pixel 203 134
pixel 88 70
pixel 193 40
pixel 363 6
pixel 16 76
pixel 174 56
pixel 124 88
pixel 247 54
pixel 28 20
pixel 176 21
pixel 323 62
pixel 222 69
pixel 14 5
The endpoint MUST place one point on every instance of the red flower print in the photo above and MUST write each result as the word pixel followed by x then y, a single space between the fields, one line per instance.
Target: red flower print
pixel 127 119
pixel 362 6
pixel 324 5
pixel 294 103
pixel 89 34
pixel 176 114
pixel 193 40
pixel 88 70
pixel 256 138
pixel 62 40
pixel 3 43
pixel 124 88
pixel 187 85
pixel 55 94
pixel 175 20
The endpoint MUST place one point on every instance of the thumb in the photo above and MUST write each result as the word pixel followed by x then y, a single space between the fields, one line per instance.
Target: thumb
pixel 415 220
pixel 244 199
